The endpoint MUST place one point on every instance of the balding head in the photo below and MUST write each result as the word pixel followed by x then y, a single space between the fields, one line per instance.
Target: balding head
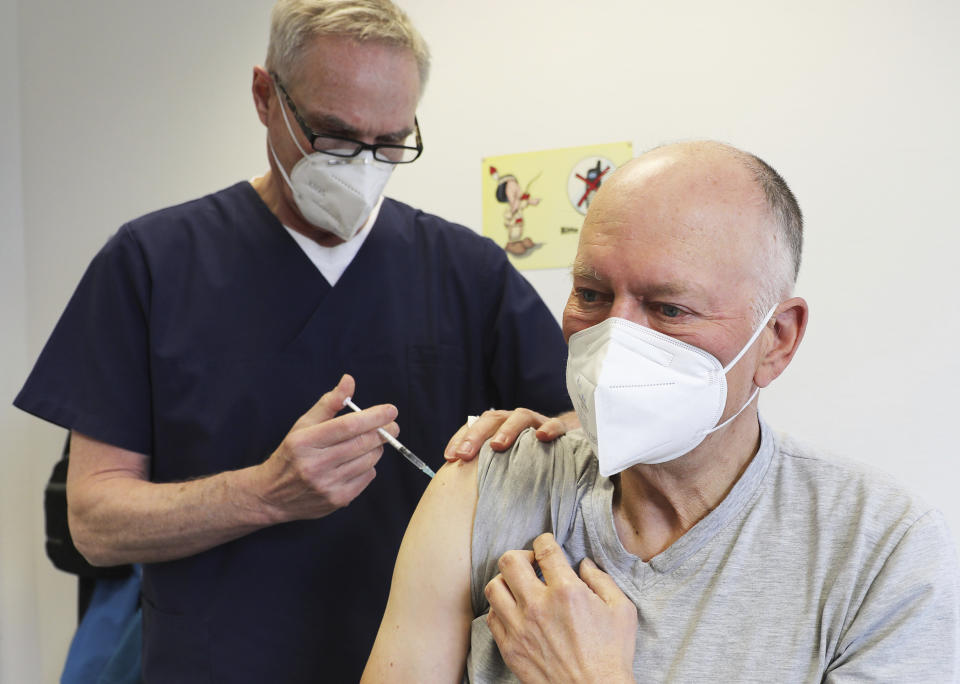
pixel 686 241
pixel 746 197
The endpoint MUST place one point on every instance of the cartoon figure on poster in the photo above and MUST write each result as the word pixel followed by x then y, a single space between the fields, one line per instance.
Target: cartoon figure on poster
pixel 509 192
pixel 534 203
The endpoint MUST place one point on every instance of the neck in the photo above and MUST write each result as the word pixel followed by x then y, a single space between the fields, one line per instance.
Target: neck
pixel 270 188
pixel 654 505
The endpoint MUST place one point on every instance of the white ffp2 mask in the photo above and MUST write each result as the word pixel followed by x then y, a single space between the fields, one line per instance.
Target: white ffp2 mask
pixel 645 397
pixel 336 194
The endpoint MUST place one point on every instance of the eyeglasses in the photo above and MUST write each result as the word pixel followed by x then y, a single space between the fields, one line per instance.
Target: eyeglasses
pixel 347 147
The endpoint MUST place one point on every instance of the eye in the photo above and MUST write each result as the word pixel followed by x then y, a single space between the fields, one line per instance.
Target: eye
pixel 588 296
pixel 590 301
pixel 670 311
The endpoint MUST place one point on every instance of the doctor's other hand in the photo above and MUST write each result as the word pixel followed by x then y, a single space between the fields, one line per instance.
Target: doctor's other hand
pixel 565 628
pixel 502 429
pixel 325 461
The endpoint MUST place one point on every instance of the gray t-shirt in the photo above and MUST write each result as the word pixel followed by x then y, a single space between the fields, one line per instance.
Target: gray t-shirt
pixel 811 569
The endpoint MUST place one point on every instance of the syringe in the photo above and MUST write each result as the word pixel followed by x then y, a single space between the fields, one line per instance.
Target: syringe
pixel 395 443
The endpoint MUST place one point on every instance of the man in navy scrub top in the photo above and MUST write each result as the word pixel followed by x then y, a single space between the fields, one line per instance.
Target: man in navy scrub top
pixel 202 364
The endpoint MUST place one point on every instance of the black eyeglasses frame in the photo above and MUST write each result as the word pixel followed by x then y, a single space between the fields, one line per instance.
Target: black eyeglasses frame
pixel 378 149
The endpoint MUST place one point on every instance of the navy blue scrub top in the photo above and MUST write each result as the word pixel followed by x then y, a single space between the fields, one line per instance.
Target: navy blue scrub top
pixel 200 333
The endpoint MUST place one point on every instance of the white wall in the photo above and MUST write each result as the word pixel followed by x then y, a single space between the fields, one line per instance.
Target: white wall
pixel 855 102
pixel 124 107
pixel 20 522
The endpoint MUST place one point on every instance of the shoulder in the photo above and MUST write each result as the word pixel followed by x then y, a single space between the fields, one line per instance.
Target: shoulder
pixel 218 231
pixel 531 488
pixel 853 490
pixel 857 517
pixel 215 210
pixel 438 232
pixel 533 466
pixel 891 562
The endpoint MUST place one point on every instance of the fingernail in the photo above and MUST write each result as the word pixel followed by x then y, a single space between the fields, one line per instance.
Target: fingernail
pixel 500 438
pixel 464 447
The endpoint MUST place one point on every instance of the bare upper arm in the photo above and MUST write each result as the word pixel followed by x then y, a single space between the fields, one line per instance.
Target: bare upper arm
pixel 425 632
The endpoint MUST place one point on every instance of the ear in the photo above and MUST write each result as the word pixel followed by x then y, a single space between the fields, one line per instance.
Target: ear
pixel 263 93
pixel 788 326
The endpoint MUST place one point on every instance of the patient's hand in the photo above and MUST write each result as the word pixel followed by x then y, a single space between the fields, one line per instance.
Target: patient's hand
pixel 502 429
pixel 565 628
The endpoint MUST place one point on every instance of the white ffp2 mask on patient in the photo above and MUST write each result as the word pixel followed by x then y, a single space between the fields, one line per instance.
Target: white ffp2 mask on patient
pixel 645 397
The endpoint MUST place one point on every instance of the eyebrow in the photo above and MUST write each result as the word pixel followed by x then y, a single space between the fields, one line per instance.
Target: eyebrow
pixel 581 270
pixel 334 125
pixel 670 288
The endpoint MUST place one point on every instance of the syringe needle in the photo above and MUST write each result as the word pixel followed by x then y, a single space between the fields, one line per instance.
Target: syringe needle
pixel 395 443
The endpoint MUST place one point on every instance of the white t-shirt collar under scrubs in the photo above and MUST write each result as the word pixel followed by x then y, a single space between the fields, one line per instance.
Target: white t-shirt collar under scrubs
pixel 333 261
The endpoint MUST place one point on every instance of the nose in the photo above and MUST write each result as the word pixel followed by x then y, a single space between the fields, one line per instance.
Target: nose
pixel 629 308
pixel 364 157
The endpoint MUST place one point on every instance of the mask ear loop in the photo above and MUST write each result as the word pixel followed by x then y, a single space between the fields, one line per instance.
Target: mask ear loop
pixel 283 171
pixel 283 112
pixel 730 365
pixel 752 339
pixel 364 158
pixel 728 420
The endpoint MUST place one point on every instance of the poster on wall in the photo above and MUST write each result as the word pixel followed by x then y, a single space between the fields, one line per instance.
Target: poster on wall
pixel 534 202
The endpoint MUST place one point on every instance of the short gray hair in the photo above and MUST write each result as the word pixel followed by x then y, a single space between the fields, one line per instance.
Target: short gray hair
pixel 294 22
pixel 780 270
pixel 788 239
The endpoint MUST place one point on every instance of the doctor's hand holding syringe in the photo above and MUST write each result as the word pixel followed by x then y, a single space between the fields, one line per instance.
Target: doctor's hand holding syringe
pixel 325 461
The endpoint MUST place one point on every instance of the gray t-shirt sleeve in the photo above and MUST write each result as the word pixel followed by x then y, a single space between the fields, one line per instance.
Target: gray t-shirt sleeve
pixel 531 488
pixel 907 628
